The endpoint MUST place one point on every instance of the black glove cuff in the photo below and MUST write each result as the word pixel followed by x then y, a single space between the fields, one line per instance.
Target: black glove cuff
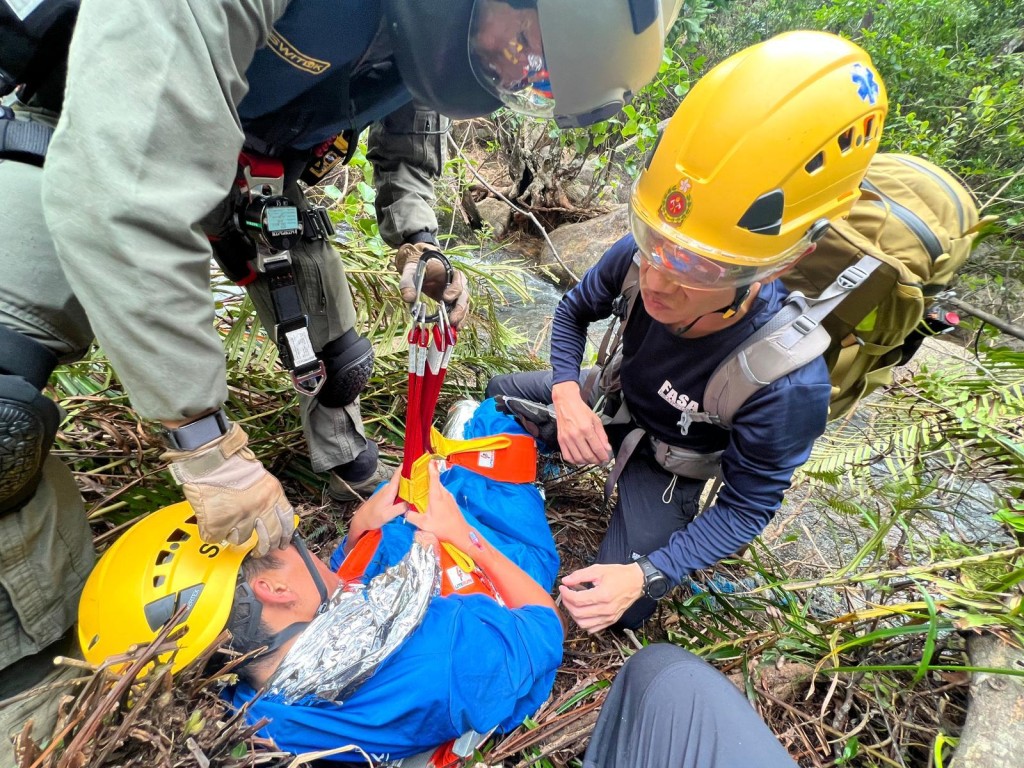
pixel 423 236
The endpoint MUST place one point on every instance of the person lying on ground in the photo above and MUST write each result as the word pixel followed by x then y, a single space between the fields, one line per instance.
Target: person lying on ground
pixel 363 652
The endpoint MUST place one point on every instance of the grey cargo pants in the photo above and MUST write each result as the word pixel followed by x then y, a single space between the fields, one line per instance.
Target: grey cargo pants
pixel 669 709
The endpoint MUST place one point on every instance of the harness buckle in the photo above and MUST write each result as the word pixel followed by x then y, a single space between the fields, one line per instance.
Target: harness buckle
pixel 268 261
pixel 312 382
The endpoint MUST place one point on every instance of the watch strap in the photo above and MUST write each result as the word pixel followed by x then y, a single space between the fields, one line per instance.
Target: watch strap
pixel 198 433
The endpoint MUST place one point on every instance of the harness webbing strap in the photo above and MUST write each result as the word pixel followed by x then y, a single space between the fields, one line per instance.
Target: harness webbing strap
pixel 292 328
pixel 629 445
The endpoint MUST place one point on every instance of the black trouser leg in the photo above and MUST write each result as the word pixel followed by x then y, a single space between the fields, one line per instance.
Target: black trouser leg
pixel 529 385
pixel 642 521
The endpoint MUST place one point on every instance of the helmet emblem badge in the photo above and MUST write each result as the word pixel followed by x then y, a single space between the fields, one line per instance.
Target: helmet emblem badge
pixel 676 205
pixel 867 85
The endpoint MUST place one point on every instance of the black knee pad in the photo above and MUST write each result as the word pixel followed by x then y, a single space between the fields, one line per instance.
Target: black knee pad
pixel 28 424
pixel 349 363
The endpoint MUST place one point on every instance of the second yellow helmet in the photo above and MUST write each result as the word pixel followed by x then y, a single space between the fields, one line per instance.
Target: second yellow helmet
pixel 765 149
pixel 156 567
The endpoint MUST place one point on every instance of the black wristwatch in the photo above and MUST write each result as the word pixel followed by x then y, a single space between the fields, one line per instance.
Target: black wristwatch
pixel 197 433
pixel 656 584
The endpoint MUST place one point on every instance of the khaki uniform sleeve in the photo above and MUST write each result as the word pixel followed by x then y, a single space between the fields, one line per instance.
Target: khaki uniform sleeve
pixel 146 146
pixel 407 149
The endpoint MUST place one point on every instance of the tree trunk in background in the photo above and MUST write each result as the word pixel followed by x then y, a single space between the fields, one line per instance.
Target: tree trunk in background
pixel 993 736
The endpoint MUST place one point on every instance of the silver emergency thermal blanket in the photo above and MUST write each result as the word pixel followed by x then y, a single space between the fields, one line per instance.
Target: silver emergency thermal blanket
pixel 363 625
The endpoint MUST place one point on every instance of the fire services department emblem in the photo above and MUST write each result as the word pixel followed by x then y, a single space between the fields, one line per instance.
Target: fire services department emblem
pixel 676 205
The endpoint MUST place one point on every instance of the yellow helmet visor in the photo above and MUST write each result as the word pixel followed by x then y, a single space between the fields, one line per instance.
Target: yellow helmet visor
pixel 702 267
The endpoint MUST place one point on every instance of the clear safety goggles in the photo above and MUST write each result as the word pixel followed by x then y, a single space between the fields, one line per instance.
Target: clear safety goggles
pixel 694 265
pixel 507 56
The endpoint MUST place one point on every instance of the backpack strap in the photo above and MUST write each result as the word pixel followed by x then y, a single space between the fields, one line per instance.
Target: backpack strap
pixel 787 342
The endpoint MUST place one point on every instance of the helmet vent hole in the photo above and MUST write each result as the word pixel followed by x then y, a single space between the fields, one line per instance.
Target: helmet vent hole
pixel 846 140
pixel 92 642
pixel 869 128
pixel 764 216
pixel 164 557
pixel 158 581
pixel 816 163
pixel 179 535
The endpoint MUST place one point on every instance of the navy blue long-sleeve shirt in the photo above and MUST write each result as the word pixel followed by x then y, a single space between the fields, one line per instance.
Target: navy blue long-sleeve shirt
pixel 663 375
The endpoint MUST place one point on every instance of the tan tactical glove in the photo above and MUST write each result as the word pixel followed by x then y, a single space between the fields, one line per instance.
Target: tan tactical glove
pixel 232 493
pixel 455 294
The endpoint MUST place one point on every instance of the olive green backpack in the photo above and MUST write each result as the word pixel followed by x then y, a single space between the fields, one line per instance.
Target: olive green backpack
pixel 919 223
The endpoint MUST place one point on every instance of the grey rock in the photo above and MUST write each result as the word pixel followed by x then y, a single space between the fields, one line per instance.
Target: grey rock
pixel 579 246
pixel 495 213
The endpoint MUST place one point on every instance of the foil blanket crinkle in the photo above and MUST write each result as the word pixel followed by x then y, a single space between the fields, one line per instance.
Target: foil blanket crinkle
pixel 363 625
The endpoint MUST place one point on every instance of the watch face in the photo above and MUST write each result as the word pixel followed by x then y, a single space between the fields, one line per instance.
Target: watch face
pixel 657 587
pixel 655 582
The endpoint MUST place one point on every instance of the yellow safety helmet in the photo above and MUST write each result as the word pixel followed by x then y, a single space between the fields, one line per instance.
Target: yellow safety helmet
pixel 154 568
pixel 765 149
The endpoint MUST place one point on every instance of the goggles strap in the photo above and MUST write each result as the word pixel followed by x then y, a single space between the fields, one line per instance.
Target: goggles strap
pixel 741 295
pixel 728 311
pixel 295 628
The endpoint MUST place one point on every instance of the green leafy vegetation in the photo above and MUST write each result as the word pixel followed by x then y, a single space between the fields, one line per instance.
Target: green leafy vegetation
pixel 902 537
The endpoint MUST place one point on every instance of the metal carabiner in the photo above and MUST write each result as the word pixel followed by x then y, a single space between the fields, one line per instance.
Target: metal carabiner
pixel 418 309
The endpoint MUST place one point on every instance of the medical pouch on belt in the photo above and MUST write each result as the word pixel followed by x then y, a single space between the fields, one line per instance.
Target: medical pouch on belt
pixel 459 574
pixel 309 83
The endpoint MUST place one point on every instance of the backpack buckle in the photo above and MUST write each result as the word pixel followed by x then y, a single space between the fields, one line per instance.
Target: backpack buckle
pixel 805 325
pixel 619 304
pixel 852 276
